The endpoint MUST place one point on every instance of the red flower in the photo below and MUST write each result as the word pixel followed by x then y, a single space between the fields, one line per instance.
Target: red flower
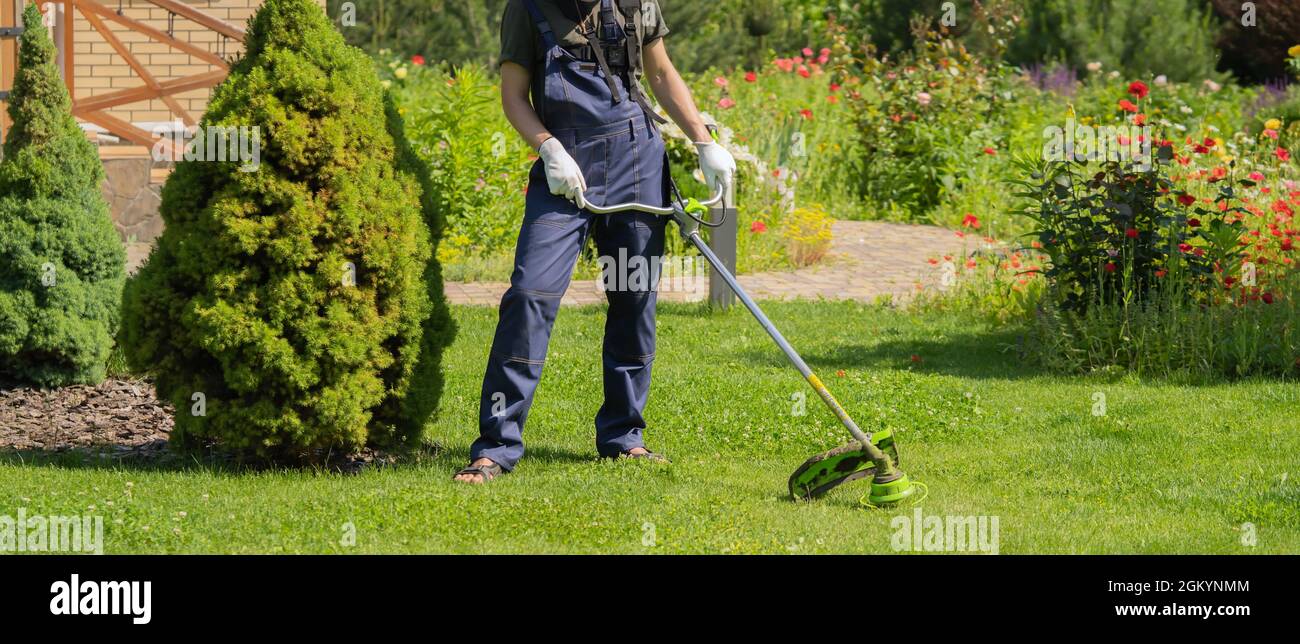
pixel 1194 222
pixel 916 358
pixel 991 151
pixel 807 51
pixel 1138 89
pixel 1131 233
pixel 1186 199
pixel 758 227
pixel 1209 143
pixel 1184 247
pixel 1110 267
pixel 835 87
pixel 1267 297
pixel 806 113
pixel 1282 154
pixel 1287 244
pixel 751 77
pixel 1128 106
pixel 840 373
pixel 1161 273
pixel 726 103
pixel 721 81
pixel 417 60
pixel 970 221
pixel 803 71
pixel 1139 119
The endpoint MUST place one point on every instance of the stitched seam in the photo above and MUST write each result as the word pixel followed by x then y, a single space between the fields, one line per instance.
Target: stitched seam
pixel 552 223
pixel 529 291
pixel 518 359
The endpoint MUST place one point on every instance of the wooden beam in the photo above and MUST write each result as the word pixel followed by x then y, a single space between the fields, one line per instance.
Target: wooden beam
pixel 128 131
pixel 211 22
pixel 137 94
pixel 136 25
pixel 8 60
pixel 140 70
pixel 69 47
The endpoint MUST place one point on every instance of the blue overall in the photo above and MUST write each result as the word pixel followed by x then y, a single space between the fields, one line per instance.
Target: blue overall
pixel 621 154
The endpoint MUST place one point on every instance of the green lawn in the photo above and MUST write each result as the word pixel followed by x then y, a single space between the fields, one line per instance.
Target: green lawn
pixel 1167 468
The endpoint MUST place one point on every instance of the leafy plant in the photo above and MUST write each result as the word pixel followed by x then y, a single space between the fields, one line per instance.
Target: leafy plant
pixel 64 266
pixel 807 233
pixel 295 306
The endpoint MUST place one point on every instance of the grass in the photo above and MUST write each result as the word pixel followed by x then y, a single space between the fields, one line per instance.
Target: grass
pixel 1167 469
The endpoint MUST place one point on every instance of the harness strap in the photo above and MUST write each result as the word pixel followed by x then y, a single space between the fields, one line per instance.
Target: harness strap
pixel 609 33
pixel 608 25
pixel 543 25
pixel 631 14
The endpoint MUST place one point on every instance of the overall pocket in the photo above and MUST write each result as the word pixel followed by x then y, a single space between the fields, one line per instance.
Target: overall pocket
pixel 592 156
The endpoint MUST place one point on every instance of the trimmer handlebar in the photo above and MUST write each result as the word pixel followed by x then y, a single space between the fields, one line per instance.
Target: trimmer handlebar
pixel 692 206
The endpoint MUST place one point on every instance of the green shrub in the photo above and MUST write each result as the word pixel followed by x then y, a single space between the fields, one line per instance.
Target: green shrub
pixel 299 299
pixel 63 268
pixel 1256 53
pixel 924 122
pixel 479 165
pixel 1144 39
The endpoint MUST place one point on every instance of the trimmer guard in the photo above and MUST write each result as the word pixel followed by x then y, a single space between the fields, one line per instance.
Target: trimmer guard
pixel 844 464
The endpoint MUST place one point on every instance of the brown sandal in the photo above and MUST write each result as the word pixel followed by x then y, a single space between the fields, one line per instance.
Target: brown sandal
pixel 488 472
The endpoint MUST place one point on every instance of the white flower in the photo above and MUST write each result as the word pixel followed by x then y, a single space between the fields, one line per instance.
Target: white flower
pixel 1114 74
pixel 1185 109
pixel 1094 66
pixel 1162 80
pixel 1212 86
pixel 923 98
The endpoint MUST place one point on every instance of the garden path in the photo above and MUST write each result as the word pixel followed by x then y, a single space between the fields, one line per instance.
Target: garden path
pixel 867 260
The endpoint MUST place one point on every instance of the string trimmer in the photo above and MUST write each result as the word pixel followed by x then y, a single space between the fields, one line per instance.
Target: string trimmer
pixel 873 456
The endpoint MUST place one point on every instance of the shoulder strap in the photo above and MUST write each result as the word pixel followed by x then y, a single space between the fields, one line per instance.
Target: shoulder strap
pixel 631 10
pixel 543 25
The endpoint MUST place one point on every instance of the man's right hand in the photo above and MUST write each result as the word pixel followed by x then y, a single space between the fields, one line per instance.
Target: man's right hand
pixel 562 173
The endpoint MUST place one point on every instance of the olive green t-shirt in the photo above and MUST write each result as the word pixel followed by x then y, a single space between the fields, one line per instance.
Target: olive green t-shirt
pixel 521 42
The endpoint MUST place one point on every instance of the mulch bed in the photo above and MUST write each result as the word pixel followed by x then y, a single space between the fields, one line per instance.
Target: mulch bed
pixel 122 419
pixel 120 416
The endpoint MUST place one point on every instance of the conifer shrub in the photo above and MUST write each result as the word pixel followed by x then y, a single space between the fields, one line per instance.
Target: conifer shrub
pixel 62 265
pixel 296 306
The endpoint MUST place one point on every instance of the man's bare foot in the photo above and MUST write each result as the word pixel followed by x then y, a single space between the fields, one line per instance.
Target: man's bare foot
pixel 474 477
pixel 637 451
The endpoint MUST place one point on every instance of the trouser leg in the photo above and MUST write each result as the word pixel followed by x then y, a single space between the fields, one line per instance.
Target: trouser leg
pixel 550 240
pixel 631 245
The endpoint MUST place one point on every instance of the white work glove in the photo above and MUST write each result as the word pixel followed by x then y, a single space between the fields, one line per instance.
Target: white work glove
pixel 562 173
pixel 718 166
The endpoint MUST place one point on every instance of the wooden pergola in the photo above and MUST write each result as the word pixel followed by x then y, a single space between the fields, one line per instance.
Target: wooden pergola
pixel 94 109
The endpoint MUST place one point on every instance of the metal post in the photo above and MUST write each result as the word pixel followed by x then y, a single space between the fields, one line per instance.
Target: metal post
pixel 722 241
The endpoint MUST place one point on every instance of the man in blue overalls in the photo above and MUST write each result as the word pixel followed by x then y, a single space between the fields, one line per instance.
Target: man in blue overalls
pixel 599 142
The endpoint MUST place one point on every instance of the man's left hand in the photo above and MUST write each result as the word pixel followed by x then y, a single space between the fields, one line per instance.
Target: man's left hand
pixel 717 164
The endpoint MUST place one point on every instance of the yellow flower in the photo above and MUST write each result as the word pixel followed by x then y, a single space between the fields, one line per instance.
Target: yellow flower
pixel 1294 52
pixel 400 73
pixel 1273 124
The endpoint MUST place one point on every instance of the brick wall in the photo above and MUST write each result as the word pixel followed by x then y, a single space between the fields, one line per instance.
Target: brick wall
pixel 100 70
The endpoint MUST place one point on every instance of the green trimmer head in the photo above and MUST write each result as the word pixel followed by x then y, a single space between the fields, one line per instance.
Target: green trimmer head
pixel 847 463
